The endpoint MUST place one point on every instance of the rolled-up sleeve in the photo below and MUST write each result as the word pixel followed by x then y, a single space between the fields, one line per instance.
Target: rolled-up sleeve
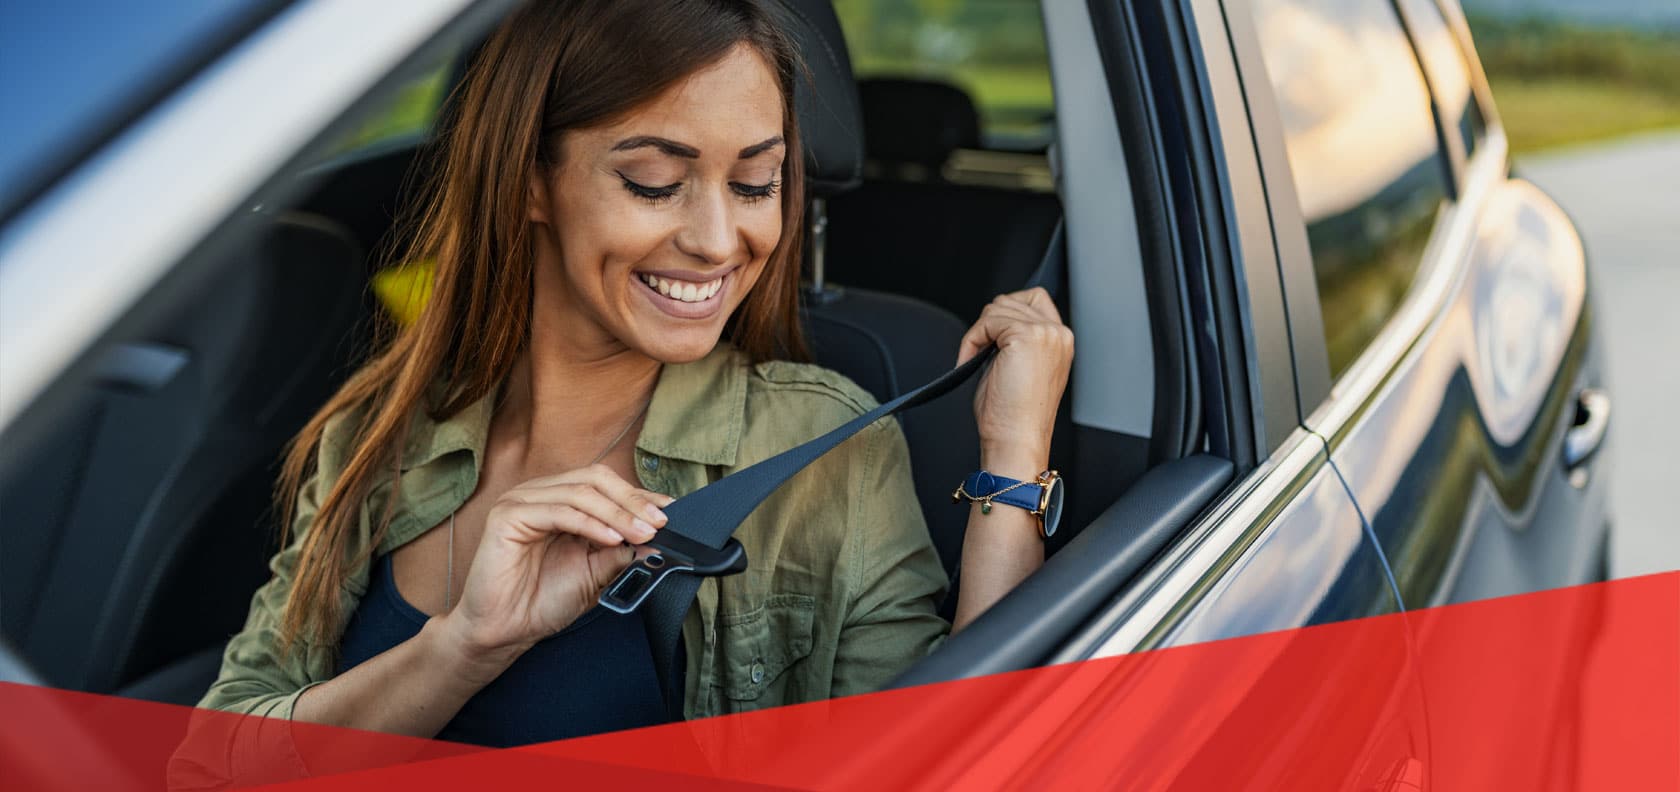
pixel 892 620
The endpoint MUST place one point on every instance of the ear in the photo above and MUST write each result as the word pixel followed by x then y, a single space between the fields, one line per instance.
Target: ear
pixel 536 196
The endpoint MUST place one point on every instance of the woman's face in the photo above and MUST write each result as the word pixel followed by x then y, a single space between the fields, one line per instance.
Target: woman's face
pixel 651 231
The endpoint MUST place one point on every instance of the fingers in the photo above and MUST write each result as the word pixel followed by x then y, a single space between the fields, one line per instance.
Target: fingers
pixel 593 503
pixel 605 564
pixel 532 521
pixel 1026 315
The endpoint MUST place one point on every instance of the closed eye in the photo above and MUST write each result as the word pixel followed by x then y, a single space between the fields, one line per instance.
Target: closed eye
pixel 650 194
pixel 756 192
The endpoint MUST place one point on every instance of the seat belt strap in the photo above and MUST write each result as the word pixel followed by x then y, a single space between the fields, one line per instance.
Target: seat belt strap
pixel 697 540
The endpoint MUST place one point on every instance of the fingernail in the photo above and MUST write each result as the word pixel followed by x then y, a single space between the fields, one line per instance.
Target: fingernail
pixel 642 527
pixel 654 513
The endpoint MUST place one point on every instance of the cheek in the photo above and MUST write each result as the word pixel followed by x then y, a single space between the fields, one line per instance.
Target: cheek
pixel 606 240
pixel 762 233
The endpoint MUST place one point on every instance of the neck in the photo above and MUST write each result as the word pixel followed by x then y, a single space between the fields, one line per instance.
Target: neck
pixel 568 403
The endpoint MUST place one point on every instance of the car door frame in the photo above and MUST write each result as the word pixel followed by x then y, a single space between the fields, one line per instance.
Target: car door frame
pixel 1238 227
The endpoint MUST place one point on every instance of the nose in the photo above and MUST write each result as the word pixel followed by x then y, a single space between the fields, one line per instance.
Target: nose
pixel 710 234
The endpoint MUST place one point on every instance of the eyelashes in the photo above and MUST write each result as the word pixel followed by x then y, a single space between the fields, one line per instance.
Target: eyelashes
pixel 751 193
pixel 756 192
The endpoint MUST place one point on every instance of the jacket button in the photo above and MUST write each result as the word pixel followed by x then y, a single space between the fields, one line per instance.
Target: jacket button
pixel 757 672
pixel 650 463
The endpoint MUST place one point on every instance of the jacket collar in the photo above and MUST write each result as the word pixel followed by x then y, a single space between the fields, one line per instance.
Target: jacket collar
pixel 697 414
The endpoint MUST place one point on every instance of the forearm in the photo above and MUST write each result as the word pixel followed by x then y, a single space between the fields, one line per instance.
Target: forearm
pixel 1002 548
pixel 414 688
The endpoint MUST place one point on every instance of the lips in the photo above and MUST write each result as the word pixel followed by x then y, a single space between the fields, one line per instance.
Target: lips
pixel 684 297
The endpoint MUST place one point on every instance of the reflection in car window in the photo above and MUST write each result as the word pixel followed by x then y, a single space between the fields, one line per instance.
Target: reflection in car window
pixel 993 49
pixel 1364 153
pixel 1449 72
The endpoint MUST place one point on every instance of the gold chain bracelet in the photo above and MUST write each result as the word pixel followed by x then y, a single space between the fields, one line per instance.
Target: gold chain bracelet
pixel 985 501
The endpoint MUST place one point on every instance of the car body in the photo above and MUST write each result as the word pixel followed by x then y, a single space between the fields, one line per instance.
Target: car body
pixel 1242 471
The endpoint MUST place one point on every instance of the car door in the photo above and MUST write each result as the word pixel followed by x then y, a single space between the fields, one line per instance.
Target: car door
pixel 1443 340
pixel 1447 303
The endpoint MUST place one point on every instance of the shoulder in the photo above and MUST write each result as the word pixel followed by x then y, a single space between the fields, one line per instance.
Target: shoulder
pixel 789 403
pixel 817 390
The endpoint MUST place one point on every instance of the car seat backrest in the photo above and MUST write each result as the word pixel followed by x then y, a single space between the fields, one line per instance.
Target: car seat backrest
pixel 920 122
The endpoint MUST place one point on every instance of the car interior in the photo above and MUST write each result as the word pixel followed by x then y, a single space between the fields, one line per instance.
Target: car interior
pixel 134 538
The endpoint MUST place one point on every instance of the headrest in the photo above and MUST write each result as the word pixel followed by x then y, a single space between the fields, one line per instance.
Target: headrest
pixel 917 121
pixel 829 120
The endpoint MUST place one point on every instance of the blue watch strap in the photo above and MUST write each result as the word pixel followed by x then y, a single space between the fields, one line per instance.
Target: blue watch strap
pixel 980 484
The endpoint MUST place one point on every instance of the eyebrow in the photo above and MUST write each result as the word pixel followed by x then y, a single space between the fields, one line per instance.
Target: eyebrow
pixel 675 149
pixel 759 148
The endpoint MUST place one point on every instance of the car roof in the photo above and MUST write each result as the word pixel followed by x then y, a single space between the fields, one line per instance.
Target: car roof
pixel 73 73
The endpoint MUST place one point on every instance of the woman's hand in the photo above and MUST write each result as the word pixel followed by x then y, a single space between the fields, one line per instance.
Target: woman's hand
pixel 1015 406
pixel 549 546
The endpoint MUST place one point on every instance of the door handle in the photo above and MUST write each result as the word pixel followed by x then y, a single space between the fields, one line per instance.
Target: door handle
pixel 1586 433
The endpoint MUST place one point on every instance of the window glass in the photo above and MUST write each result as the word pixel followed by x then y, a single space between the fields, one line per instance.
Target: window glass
pixel 992 49
pixel 1364 154
pixel 410 111
pixel 1449 72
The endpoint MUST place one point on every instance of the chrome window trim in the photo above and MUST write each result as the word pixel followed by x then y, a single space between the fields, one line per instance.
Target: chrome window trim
pixel 79 257
pixel 1147 611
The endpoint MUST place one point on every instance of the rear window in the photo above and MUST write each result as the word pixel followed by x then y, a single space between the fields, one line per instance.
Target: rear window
pixel 992 49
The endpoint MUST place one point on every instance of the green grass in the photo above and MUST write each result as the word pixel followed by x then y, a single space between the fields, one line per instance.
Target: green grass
pixel 1550 112
pixel 1559 84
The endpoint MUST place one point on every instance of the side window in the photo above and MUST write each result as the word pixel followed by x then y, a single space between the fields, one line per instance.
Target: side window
pixel 1364 154
pixel 994 50
pixel 1448 70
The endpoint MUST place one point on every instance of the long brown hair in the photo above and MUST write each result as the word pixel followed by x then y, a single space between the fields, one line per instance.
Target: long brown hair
pixel 552 66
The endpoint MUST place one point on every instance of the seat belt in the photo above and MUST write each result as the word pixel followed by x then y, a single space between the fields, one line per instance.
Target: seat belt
pixel 698 538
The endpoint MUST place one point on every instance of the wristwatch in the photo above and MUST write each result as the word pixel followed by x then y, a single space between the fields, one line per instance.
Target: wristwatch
pixel 1042 496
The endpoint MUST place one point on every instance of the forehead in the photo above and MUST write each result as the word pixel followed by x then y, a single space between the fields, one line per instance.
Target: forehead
pixel 732 103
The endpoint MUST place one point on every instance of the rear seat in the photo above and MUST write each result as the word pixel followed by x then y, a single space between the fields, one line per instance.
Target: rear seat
pixel 908 230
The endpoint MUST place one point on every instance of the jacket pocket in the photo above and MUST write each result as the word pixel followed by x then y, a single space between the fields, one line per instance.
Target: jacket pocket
pixel 760 651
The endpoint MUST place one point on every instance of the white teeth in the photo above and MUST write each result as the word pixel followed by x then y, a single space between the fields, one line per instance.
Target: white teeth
pixel 684 291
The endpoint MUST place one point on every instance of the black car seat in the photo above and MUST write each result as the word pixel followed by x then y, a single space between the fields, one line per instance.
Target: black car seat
pixel 887 343
pixel 133 548
pixel 909 230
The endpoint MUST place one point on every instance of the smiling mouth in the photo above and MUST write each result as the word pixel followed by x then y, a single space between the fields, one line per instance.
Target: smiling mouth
pixel 683 291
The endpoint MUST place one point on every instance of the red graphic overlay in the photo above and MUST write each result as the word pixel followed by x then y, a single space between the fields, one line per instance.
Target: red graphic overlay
pixel 1574 688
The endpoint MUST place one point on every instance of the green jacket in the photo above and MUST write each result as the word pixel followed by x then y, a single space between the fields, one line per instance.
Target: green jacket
pixel 843 581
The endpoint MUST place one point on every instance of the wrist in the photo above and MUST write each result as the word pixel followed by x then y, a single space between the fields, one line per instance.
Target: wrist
pixel 1016 462
pixel 453 648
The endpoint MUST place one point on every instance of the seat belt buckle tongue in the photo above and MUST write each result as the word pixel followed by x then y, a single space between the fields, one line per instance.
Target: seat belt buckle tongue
pixel 676 555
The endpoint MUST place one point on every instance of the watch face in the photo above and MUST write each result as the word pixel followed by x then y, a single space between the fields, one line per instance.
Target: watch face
pixel 1053 507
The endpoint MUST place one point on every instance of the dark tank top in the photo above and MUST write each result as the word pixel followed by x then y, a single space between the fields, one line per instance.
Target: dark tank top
pixel 594 676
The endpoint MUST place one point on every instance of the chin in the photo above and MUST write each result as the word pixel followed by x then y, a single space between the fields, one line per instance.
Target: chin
pixel 684 347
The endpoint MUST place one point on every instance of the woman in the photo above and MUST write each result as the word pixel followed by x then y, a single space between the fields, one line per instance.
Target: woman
pixel 616 224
